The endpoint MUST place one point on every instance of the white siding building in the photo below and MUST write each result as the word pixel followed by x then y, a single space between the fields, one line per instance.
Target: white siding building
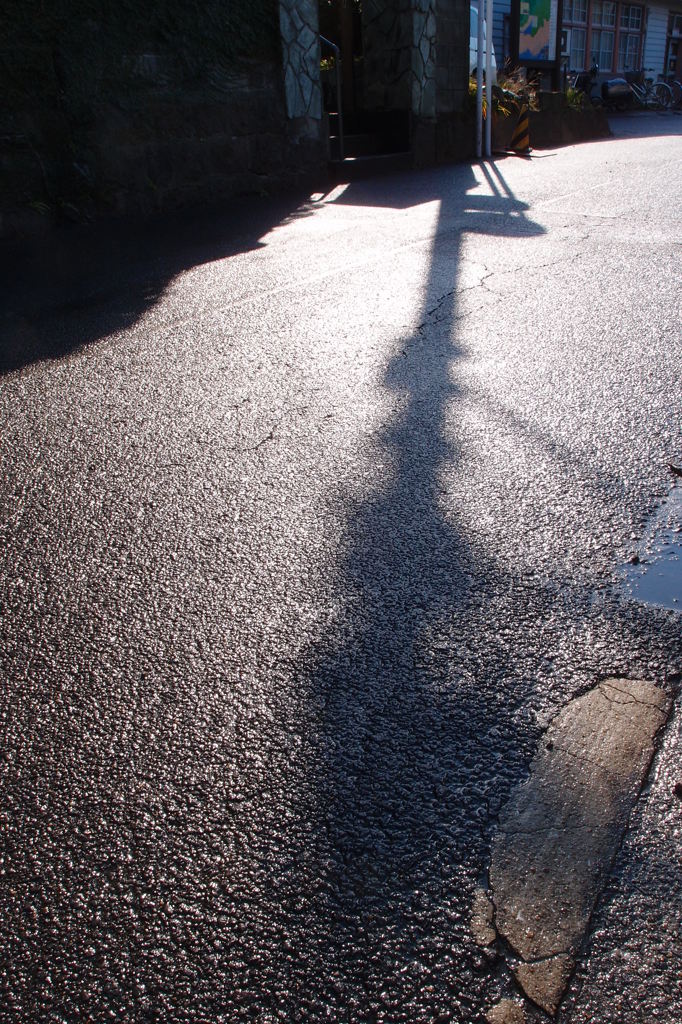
pixel 656 39
pixel 617 35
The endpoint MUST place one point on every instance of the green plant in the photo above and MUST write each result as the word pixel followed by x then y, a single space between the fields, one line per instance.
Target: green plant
pixel 516 83
pixel 471 98
pixel 44 209
pixel 574 98
pixel 505 102
pixel 511 91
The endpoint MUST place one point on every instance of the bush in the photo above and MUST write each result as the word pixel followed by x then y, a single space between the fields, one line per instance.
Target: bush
pixel 512 90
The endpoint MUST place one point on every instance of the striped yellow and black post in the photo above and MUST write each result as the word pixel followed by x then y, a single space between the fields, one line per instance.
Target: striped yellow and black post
pixel 520 143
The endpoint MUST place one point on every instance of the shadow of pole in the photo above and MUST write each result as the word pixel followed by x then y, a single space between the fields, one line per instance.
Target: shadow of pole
pixel 402 763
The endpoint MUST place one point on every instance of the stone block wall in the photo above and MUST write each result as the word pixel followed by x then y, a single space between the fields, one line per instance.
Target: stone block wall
pixel 424 37
pixel 416 60
pixel 452 55
pixel 388 36
pixel 298 20
pixel 142 107
pixel 442 124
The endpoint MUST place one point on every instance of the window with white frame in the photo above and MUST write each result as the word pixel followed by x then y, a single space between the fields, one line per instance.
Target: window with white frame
pixel 602 38
pixel 575 12
pixel 575 16
pixel 604 13
pixel 630 38
pixel 628 53
pixel 577 57
pixel 631 18
pixel 601 48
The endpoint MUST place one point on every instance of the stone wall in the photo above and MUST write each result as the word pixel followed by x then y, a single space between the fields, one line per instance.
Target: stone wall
pixel 454 137
pixel 452 55
pixel 298 22
pixel 424 59
pixel 388 37
pixel 416 60
pixel 141 107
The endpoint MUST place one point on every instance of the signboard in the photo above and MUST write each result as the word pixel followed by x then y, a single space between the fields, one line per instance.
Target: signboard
pixel 538 30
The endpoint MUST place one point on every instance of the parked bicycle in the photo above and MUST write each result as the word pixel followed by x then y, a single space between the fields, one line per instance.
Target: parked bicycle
pixel 585 82
pixel 612 93
pixel 647 94
pixel 676 90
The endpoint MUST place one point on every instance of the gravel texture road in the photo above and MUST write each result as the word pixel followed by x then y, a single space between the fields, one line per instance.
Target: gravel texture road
pixel 311 521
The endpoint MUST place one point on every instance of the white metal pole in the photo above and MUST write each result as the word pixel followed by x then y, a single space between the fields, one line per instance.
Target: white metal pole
pixel 489 76
pixel 479 81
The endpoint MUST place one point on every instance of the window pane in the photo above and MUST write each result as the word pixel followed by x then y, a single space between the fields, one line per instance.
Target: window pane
pixel 633 53
pixel 601 50
pixel 577 49
pixel 631 17
pixel 628 52
pixel 594 46
pixel 606 51
pixel 603 13
pixel 576 10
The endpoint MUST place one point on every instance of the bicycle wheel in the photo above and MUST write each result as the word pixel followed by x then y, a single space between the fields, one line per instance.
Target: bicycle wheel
pixel 663 94
pixel 638 96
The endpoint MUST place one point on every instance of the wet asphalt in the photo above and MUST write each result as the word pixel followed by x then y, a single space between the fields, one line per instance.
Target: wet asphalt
pixel 312 517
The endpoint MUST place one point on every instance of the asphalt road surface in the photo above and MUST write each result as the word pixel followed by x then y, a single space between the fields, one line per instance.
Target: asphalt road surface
pixel 312 516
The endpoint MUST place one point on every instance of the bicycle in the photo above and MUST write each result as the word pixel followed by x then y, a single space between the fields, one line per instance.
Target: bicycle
pixel 648 94
pixel 611 93
pixel 584 83
pixel 676 90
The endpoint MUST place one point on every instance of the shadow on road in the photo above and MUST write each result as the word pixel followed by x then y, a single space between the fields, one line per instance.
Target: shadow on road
pixel 203 826
pixel 645 124
pixel 112 274
pixel 405 756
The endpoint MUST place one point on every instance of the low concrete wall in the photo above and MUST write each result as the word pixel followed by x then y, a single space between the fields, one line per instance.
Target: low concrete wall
pixel 555 124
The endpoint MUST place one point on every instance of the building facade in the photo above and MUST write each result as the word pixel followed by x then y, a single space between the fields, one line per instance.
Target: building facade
pixel 617 36
pixel 133 107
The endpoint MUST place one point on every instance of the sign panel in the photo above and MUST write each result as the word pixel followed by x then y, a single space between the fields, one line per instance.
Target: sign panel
pixel 537 30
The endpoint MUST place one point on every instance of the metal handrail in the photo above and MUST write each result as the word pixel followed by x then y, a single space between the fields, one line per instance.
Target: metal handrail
pixel 337 68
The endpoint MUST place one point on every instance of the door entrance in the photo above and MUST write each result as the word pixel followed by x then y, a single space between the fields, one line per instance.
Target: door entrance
pixel 374 39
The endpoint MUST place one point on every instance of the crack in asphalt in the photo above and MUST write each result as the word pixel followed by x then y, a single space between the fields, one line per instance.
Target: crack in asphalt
pixel 630 698
pixel 583 758
pixel 545 830
pixel 431 315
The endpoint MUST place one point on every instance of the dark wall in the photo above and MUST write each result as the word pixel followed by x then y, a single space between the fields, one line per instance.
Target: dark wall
pixel 128 105
pixel 455 130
